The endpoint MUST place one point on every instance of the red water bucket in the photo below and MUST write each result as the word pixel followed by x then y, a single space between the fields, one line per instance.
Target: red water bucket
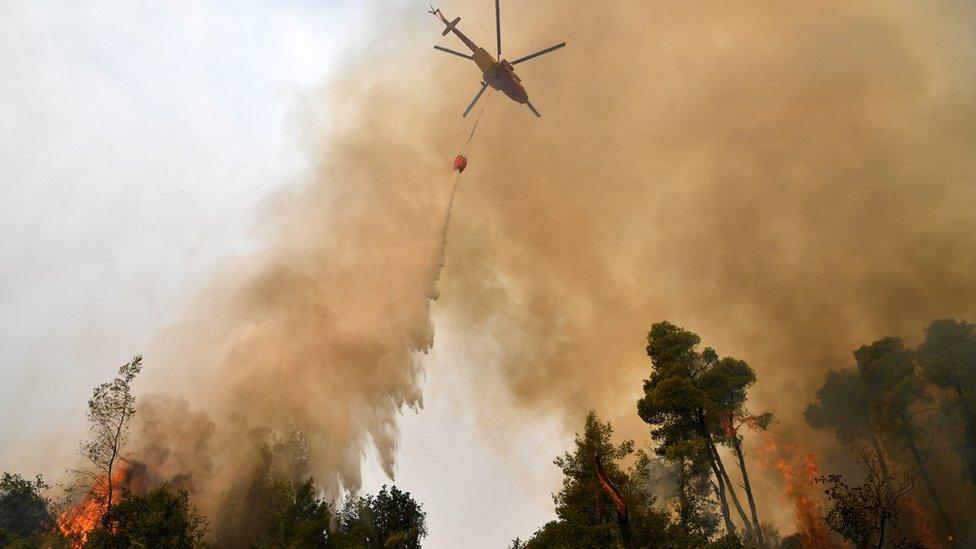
pixel 460 163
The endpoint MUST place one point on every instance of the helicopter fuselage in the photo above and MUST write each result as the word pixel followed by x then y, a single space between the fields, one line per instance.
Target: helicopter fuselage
pixel 499 74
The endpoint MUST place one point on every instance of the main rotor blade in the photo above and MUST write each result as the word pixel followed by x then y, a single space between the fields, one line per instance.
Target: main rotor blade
pixel 498 26
pixel 538 53
pixel 484 86
pixel 531 108
pixel 457 53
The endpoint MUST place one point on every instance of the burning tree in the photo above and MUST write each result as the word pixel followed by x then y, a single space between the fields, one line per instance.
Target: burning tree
pixel 732 426
pixel 878 402
pixel 110 410
pixel 898 390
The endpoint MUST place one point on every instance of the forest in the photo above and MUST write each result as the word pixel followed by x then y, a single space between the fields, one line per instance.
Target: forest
pixel 903 419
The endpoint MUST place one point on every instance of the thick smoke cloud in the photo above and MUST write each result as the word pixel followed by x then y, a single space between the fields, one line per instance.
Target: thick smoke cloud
pixel 790 180
pixel 323 332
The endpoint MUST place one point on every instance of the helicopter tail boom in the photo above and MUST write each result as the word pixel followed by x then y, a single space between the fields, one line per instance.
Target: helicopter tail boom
pixel 451 26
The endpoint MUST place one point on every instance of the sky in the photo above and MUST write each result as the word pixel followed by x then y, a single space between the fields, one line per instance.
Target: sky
pixel 138 141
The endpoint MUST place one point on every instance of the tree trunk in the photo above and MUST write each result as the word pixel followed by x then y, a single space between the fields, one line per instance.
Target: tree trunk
pixel 684 507
pixel 735 499
pixel 715 461
pixel 106 518
pixel 881 536
pixel 720 492
pixel 108 498
pixel 923 472
pixel 877 450
pixel 737 445
pixel 969 431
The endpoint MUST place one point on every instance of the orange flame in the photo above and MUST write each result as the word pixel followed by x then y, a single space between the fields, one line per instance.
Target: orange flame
pixel 921 518
pixel 733 420
pixel 77 522
pixel 727 428
pixel 799 471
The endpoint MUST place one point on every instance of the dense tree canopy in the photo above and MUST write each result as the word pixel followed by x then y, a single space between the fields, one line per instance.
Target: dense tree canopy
pixel 586 516
pixel 686 399
pixel 879 401
pixel 280 505
pixel 390 520
pixel 282 508
pixel 843 406
pixel 24 512
pixel 162 518
pixel 948 360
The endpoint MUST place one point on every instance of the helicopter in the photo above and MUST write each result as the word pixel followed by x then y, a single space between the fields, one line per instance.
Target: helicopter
pixel 495 72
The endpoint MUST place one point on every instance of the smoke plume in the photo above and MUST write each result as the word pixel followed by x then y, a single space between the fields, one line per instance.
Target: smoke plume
pixel 323 332
pixel 789 180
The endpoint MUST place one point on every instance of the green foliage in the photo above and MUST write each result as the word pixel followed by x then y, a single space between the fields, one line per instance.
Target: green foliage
pixel 686 399
pixel 280 507
pixel 687 386
pixel 278 513
pixel 948 360
pixel 112 404
pixel 888 369
pixel 875 399
pixel 390 520
pixel 948 355
pixel 25 514
pixel 162 518
pixel 576 501
pixel 880 400
pixel 306 518
pixel 560 534
pixel 586 515
pixel 842 406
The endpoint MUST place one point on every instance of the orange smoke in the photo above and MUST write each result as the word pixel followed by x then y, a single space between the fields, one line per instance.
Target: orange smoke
pixel 77 522
pixel 920 516
pixel 799 471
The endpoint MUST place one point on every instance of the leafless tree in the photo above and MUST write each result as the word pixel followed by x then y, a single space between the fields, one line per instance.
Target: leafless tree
pixel 863 514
